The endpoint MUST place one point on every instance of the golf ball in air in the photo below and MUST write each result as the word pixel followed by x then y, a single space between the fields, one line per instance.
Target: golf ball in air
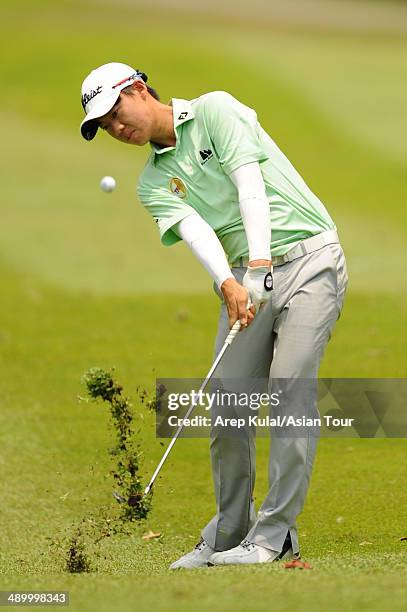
pixel 107 184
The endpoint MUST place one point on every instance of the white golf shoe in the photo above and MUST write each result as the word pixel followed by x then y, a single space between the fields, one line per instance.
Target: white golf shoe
pixel 196 558
pixel 248 552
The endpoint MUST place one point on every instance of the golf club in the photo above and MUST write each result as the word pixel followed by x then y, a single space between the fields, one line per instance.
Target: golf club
pixel 231 336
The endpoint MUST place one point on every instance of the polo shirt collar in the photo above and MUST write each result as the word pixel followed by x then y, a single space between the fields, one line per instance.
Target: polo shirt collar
pixel 182 112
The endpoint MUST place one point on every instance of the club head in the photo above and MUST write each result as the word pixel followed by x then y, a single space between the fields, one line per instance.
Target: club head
pixel 119 498
pixel 147 490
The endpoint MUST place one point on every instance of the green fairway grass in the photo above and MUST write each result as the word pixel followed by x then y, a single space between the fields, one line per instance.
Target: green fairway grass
pixel 55 463
pixel 84 282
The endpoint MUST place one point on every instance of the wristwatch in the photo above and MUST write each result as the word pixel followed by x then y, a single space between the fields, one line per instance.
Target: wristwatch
pixel 268 281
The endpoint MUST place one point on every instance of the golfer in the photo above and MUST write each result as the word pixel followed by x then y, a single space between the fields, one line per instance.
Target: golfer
pixel 216 180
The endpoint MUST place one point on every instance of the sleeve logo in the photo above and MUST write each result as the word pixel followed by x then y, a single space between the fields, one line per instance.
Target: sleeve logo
pixel 178 187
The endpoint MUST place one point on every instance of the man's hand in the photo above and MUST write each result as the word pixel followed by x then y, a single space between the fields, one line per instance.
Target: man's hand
pixel 236 299
pixel 258 280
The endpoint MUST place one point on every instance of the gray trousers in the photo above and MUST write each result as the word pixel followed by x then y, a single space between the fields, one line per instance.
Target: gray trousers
pixel 287 339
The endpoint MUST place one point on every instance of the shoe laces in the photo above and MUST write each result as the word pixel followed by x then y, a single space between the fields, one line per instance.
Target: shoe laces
pixel 201 544
pixel 247 545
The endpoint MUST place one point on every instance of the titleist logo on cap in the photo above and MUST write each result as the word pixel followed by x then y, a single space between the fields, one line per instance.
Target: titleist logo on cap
pixel 87 97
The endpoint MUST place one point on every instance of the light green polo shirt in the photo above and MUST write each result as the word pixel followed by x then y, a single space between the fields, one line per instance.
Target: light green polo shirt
pixel 215 135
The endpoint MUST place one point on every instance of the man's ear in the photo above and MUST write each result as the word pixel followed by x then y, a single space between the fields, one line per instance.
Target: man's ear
pixel 141 88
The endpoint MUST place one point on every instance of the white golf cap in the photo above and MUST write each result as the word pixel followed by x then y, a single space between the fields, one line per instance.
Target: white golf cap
pixel 100 91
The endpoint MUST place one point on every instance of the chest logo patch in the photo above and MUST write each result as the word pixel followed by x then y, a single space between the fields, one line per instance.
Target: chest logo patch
pixel 206 155
pixel 178 187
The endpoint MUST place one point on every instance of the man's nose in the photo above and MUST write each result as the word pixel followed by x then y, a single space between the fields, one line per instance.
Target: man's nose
pixel 118 128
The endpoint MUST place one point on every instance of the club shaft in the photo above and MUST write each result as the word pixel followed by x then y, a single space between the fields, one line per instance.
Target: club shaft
pixel 232 334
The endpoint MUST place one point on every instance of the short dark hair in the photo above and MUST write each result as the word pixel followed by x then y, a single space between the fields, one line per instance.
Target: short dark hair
pixel 153 92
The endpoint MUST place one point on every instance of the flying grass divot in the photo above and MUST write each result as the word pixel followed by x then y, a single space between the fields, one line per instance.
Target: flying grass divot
pixel 100 385
pixel 79 546
pixel 77 560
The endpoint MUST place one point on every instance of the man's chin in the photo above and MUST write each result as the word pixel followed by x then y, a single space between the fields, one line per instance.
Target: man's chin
pixel 137 140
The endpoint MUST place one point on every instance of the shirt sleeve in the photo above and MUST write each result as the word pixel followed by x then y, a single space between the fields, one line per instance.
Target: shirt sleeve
pixel 255 209
pixel 166 209
pixel 234 131
pixel 205 245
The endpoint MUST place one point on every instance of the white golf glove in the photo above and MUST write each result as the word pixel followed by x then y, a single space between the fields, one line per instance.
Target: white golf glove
pixel 259 283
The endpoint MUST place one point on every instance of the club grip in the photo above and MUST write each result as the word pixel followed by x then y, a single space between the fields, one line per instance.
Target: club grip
pixel 233 333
